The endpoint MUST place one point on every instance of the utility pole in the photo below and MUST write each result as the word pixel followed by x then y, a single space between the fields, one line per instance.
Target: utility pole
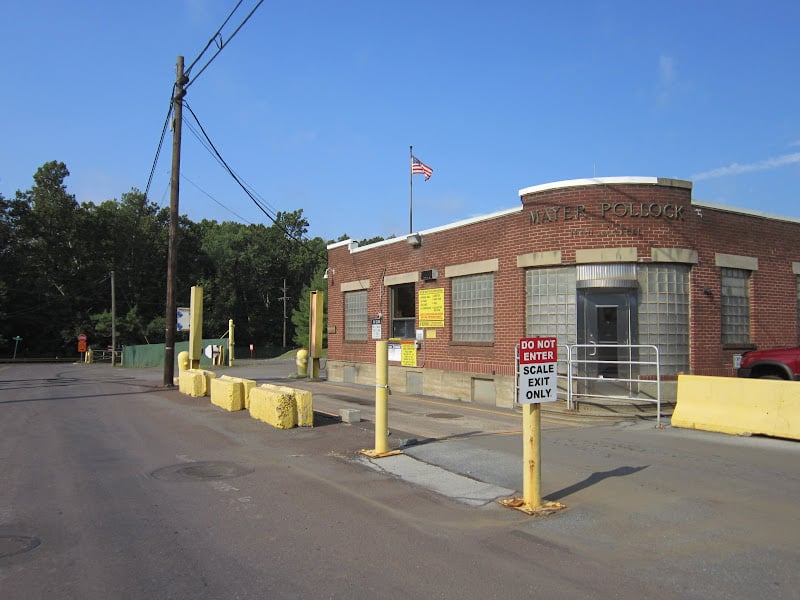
pixel 284 298
pixel 172 252
pixel 113 322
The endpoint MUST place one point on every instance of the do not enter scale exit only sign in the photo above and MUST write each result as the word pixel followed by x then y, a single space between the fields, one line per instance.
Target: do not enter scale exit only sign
pixel 538 370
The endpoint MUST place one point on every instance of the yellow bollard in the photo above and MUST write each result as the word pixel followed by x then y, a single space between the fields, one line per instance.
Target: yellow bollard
pixel 531 451
pixel 183 361
pixel 381 397
pixel 381 403
pixel 302 362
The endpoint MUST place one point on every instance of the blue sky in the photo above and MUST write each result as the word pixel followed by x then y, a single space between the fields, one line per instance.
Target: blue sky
pixel 316 103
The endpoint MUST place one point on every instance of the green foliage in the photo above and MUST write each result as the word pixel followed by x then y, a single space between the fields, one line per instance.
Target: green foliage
pixel 58 257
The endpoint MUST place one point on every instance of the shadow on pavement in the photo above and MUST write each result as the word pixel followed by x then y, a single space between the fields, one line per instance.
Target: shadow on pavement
pixel 593 479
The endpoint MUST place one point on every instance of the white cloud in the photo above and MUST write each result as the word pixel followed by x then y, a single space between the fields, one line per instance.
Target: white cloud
pixel 666 70
pixel 667 79
pixel 737 169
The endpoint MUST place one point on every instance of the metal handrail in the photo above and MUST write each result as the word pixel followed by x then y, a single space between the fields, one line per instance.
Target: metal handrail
pixel 573 360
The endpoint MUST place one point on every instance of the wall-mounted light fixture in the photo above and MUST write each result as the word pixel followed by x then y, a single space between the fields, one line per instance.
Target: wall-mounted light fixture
pixel 329 272
pixel 414 239
pixel 708 292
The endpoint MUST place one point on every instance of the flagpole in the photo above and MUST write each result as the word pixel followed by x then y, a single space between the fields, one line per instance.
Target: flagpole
pixel 411 190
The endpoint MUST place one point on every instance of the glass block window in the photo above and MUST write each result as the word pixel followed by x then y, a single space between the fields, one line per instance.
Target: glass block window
pixel 735 306
pixel 664 315
pixel 473 308
pixel 550 307
pixel 355 315
pixel 550 304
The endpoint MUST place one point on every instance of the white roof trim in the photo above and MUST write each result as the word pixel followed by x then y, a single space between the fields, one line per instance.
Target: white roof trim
pixel 743 211
pixel 592 181
pixel 337 244
pixel 456 225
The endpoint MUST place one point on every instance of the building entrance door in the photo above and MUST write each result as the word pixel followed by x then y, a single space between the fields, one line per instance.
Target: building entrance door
pixel 606 321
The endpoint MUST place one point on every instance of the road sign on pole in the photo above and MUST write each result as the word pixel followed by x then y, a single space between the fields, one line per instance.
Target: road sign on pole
pixel 538 376
pixel 538 370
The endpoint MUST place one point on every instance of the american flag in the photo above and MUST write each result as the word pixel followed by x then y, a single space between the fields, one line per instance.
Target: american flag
pixel 419 167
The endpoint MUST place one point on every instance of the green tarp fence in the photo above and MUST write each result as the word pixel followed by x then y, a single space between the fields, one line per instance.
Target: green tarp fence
pixel 152 355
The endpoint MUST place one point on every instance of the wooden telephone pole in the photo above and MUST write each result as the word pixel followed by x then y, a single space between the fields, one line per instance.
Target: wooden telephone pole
pixel 172 251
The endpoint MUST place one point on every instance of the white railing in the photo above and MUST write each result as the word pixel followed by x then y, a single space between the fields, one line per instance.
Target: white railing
pixel 578 367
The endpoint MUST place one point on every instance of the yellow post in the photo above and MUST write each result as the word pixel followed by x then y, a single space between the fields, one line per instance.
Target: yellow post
pixel 315 331
pixel 230 342
pixel 381 397
pixel 531 455
pixel 196 327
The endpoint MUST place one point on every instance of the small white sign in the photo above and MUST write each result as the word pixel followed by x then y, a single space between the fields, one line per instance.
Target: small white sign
pixel 538 370
pixel 184 319
pixel 377 329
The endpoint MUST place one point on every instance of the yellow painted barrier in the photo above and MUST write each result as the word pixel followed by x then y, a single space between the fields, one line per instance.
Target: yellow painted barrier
pixel 228 393
pixel 271 403
pixel 231 393
pixel 248 385
pixel 195 382
pixel 274 406
pixel 738 406
pixel 304 403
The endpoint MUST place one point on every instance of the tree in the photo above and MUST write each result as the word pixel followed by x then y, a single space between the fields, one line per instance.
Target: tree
pixel 46 284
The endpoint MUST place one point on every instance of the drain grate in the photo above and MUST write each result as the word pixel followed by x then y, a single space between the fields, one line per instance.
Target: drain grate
pixel 201 471
pixel 10 545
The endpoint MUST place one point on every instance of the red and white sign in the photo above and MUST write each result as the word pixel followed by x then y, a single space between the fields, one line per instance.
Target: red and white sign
pixel 538 370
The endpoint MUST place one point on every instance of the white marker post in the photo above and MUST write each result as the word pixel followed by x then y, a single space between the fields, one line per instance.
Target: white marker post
pixel 538 379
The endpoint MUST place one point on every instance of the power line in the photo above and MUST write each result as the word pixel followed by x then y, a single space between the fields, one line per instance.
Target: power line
pixel 222 44
pixel 208 148
pixel 160 144
pixel 251 195
pixel 213 37
pixel 202 191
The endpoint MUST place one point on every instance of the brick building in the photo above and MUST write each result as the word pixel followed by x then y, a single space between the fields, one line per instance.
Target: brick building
pixel 611 261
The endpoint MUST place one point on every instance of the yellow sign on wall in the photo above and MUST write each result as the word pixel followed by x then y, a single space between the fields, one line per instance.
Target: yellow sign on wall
pixel 408 353
pixel 431 308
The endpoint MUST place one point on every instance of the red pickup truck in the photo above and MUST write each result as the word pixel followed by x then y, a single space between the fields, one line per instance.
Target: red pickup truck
pixel 780 363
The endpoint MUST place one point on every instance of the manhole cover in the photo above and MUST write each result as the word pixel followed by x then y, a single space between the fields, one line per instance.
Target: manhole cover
pixel 16 544
pixel 443 416
pixel 197 471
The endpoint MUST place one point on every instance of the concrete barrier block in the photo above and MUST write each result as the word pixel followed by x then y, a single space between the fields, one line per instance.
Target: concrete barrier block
pixel 278 408
pixel 207 377
pixel 193 382
pixel 184 382
pixel 350 415
pixel 228 393
pixel 305 408
pixel 738 406
pixel 247 384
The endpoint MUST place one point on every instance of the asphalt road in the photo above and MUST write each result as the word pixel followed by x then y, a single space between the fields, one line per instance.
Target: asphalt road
pixel 113 487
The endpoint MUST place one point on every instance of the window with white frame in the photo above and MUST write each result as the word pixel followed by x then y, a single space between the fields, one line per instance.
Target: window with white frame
pixel 735 300
pixel 355 315
pixel 473 308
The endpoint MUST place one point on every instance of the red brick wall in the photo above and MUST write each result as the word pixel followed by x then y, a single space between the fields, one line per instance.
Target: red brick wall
pixel 562 227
